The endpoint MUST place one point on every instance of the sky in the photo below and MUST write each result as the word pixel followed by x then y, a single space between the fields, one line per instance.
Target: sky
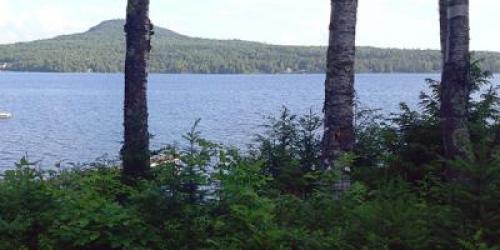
pixel 381 23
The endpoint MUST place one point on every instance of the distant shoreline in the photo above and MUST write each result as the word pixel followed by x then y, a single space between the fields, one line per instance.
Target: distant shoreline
pixel 184 73
pixel 102 49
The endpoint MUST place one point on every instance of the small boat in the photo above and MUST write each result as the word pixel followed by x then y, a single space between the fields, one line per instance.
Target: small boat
pixel 5 115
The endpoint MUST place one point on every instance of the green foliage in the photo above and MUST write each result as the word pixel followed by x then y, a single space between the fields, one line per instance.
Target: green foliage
pixel 75 209
pixel 289 150
pixel 410 147
pixel 101 49
pixel 202 195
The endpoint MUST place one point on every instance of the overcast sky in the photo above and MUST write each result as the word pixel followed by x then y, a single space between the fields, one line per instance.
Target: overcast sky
pixel 382 23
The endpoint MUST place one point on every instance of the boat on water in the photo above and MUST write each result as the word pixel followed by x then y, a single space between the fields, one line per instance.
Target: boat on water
pixel 5 115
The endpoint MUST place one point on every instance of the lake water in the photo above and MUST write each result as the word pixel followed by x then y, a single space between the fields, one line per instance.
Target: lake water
pixel 78 117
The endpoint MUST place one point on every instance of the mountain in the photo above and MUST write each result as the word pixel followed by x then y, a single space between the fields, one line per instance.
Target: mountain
pixel 102 49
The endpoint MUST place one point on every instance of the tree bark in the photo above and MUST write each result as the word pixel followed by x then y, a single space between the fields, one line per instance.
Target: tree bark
pixel 455 82
pixel 135 152
pixel 338 137
pixel 443 23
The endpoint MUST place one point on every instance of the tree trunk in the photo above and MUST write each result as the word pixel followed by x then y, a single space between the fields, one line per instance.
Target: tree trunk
pixel 443 23
pixel 338 137
pixel 455 82
pixel 135 152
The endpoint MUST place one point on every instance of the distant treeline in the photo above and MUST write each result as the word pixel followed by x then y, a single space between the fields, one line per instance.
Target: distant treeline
pixel 101 49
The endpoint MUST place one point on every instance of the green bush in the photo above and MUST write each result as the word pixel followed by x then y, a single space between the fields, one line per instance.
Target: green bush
pixel 205 196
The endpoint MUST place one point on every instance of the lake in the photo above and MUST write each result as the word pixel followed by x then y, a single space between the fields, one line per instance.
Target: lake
pixel 78 117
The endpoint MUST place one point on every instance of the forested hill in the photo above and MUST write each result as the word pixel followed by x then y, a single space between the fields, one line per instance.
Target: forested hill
pixel 101 49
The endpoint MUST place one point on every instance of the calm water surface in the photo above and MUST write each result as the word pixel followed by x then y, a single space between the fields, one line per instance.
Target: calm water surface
pixel 78 117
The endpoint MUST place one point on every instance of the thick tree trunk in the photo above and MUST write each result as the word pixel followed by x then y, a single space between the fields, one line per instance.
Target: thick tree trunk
pixel 443 23
pixel 338 136
pixel 135 151
pixel 455 82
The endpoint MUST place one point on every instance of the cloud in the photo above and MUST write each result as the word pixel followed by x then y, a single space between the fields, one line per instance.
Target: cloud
pixel 4 11
pixel 35 19
pixel 386 23
pixel 34 24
